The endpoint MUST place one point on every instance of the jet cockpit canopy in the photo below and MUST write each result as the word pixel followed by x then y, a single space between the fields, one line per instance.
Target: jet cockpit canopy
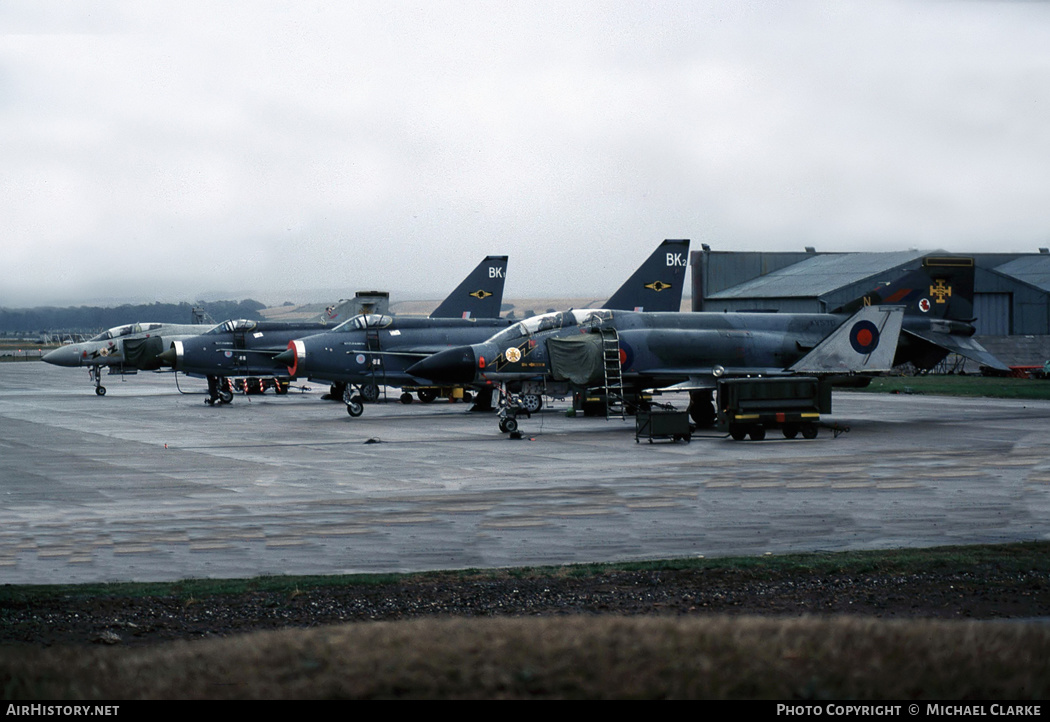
pixel 118 331
pixel 552 322
pixel 239 324
pixel 364 321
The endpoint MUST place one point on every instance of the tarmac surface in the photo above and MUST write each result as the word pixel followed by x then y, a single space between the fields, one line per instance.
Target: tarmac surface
pixel 150 484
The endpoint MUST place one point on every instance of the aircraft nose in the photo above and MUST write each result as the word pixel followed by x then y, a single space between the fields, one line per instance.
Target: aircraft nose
pixel 294 357
pixel 64 356
pixel 286 358
pixel 168 358
pixel 452 366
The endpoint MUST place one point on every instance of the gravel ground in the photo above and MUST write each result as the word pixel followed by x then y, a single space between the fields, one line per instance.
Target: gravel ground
pixel 139 621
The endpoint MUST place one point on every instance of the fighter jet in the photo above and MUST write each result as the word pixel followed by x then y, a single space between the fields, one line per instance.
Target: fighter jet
pixel 376 350
pixel 248 349
pixel 124 349
pixel 920 318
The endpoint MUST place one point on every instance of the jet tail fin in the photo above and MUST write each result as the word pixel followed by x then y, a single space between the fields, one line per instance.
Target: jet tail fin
pixel 480 295
pixel 865 342
pixel 658 283
pixel 337 312
pixel 940 288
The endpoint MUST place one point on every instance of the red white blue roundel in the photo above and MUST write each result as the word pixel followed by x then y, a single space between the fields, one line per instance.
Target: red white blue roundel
pixel 924 305
pixel 864 337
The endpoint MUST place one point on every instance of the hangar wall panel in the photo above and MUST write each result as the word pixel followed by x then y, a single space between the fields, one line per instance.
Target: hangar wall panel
pixel 992 311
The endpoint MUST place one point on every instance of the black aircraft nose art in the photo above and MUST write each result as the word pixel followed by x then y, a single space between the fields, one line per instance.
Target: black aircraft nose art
pixel 453 366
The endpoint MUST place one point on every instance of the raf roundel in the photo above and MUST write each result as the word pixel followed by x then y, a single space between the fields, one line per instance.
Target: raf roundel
pixel 864 337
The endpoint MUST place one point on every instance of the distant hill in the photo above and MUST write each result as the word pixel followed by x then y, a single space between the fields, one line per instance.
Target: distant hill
pixel 93 319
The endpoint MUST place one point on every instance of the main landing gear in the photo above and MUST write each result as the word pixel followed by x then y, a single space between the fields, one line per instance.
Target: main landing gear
pixel 220 390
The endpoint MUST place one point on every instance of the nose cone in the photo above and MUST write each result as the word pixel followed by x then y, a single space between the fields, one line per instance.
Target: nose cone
pixel 293 358
pixel 168 358
pixel 64 356
pixel 453 366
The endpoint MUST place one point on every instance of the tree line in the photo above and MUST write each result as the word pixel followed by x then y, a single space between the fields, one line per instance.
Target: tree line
pixel 93 319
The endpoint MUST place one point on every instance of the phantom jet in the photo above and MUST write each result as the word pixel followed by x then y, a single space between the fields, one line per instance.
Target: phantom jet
pixel 124 349
pixel 247 349
pixel 918 318
pixel 369 351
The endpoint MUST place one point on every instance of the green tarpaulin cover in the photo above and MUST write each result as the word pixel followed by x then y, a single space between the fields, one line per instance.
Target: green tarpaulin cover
pixel 142 353
pixel 577 359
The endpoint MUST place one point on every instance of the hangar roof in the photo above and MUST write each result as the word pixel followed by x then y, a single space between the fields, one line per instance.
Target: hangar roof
pixel 1034 270
pixel 821 274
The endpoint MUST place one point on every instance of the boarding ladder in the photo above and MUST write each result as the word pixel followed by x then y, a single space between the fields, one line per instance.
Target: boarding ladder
pixel 372 344
pixel 614 401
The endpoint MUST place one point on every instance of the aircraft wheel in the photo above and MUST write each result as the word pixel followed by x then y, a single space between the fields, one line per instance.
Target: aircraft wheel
pixel 790 431
pixel 757 433
pixel 738 432
pixel 467 397
pixel 100 390
pixel 701 409
pixel 355 408
pixel 406 398
pixel 281 388
pixel 531 402
pixel 509 425
pixel 809 431
pixel 370 393
pixel 427 395
pixel 225 396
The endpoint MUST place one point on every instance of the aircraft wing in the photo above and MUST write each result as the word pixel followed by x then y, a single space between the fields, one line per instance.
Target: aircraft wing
pixel 962 345
pixel 706 379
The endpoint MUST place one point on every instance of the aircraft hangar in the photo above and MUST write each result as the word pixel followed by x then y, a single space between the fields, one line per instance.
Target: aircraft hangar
pixel 1011 290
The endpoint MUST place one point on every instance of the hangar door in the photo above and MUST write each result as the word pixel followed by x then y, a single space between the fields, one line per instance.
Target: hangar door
pixel 992 311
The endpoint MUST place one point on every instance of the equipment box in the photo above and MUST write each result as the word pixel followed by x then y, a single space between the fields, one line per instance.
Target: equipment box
pixel 747 407
pixel 658 423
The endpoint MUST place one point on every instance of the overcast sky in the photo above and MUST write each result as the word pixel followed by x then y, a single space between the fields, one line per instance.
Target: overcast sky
pixel 181 150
